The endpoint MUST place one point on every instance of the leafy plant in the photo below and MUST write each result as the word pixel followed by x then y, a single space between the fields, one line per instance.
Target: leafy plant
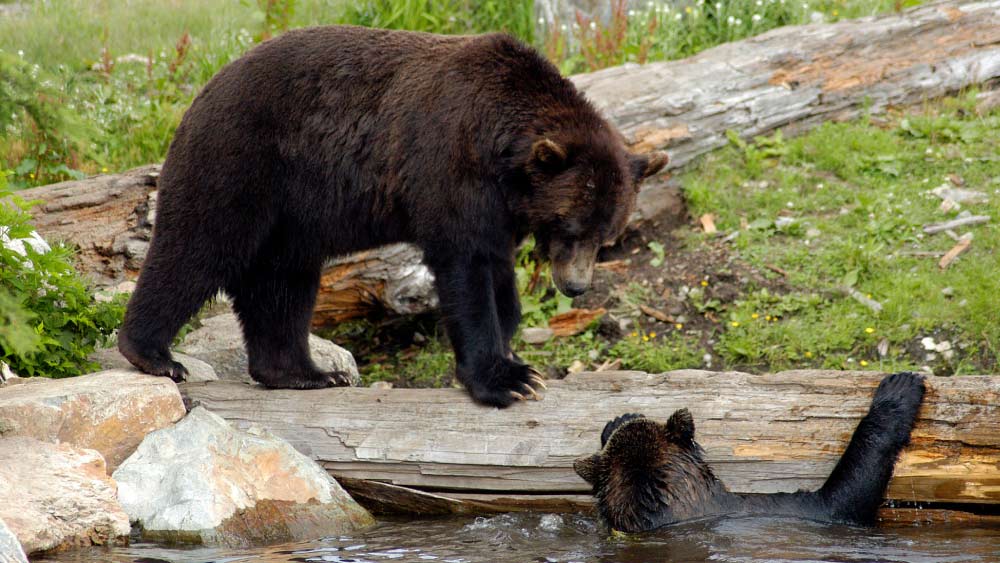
pixel 34 111
pixel 49 320
pixel 539 299
pixel 659 253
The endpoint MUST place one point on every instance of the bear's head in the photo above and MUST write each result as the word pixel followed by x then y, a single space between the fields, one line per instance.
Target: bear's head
pixel 649 474
pixel 582 188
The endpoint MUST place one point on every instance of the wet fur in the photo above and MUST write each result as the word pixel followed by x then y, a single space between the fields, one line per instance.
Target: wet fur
pixel 649 475
pixel 331 140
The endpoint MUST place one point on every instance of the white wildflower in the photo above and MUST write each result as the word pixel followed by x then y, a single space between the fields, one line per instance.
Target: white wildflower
pixel 756 18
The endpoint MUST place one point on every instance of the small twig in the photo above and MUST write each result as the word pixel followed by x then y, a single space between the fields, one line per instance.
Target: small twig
pixel 776 270
pixel 922 253
pixel 610 365
pixel 536 276
pixel 656 314
pixel 973 220
pixel 959 248
pixel 863 299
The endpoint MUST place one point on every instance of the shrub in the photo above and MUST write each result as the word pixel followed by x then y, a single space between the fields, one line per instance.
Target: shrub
pixel 49 320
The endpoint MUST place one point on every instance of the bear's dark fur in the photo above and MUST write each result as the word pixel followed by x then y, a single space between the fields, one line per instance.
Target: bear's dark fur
pixel 650 475
pixel 336 139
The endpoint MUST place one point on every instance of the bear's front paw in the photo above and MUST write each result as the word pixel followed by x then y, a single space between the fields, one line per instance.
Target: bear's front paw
pixel 904 389
pixel 300 379
pixel 502 383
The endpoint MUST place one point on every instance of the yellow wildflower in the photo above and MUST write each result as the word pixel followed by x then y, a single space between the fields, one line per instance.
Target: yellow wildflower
pixel 869 330
pixel 863 363
pixel 104 169
pixel 652 335
pixel 645 339
pixel 735 323
pixel 704 283
pixel 678 326
pixel 809 354
pixel 688 9
pixel 634 334
pixel 754 316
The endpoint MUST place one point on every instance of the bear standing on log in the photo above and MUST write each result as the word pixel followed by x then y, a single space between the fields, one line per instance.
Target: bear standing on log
pixel 331 140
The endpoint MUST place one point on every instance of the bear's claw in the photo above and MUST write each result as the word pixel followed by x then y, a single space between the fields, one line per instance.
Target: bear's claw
pixel 502 383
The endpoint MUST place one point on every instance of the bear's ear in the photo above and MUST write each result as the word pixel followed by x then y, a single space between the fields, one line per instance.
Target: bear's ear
pixel 586 468
pixel 680 427
pixel 547 153
pixel 645 165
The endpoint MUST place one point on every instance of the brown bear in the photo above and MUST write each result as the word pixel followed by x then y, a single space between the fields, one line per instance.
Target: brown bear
pixel 650 475
pixel 331 140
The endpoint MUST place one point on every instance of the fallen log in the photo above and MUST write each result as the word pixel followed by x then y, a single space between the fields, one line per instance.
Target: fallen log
pixel 108 218
pixel 791 78
pixel 435 450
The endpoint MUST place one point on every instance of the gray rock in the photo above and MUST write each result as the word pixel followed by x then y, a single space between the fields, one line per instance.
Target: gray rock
pixel 219 342
pixel 6 374
pixel 56 495
pixel 111 358
pixel 536 335
pixel 203 481
pixel 10 549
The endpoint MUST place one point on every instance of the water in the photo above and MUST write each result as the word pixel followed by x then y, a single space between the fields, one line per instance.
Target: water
pixel 550 538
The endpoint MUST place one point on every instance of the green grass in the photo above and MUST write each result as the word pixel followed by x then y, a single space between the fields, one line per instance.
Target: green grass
pixel 123 114
pixel 839 207
pixel 857 195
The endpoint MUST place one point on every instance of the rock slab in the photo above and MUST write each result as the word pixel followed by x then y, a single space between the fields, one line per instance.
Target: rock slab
pixel 10 548
pixel 219 342
pixel 110 411
pixel 111 358
pixel 54 496
pixel 202 481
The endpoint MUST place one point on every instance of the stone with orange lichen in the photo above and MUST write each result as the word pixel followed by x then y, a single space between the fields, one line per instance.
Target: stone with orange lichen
pixel 203 481
pixel 110 411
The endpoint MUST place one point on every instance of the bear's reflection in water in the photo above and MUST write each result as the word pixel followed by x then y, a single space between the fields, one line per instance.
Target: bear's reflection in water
pixel 529 538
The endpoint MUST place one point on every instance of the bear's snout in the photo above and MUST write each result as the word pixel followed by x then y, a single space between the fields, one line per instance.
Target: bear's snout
pixel 573 278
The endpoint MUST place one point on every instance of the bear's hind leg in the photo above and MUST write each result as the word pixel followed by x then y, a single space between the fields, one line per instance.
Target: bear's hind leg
pixel 274 301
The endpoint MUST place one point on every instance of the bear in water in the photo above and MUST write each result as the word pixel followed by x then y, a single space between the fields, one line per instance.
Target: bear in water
pixel 648 475
pixel 331 140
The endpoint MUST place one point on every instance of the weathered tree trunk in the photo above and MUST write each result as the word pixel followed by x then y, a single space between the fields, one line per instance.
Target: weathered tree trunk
pixel 792 77
pixel 762 434
pixel 108 218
